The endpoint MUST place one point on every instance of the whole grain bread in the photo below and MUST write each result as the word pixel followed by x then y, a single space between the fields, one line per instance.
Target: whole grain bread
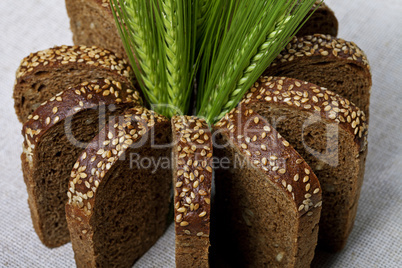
pixel 321 20
pixel 330 133
pixel 268 200
pixel 55 134
pixel 329 62
pixel 119 191
pixel 192 179
pixel 43 74
pixel 92 23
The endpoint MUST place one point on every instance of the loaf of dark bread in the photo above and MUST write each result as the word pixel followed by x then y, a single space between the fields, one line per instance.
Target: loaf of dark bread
pixel 322 21
pixel 329 62
pixel 119 191
pixel 268 200
pixel 55 134
pixel 92 23
pixel 330 133
pixel 43 74
pixel 192 178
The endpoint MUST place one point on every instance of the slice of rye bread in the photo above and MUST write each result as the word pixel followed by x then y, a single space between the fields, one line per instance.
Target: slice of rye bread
pixel 329 62
pixel 192 156
pixel 119 191
pixel 55 135
pixel 321 20
pixel 268 200
pixel 92 23
pixel 43 74
pixel 330 133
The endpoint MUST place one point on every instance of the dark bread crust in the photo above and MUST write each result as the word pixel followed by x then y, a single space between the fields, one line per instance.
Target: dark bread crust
pixel 341 182
pixel 192 179
pixel 41 68
pixel 267 146
pixel 322 21
pixel 89 181
pixel 274 160
pixel 92 23
pixel 75 99
pixel 51 114
pixel 310 97
pixel 317 58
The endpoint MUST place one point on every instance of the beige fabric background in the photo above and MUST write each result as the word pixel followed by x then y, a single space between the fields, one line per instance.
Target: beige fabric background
pixel 376 241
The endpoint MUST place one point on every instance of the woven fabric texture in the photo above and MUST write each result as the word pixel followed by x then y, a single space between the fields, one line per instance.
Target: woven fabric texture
pixel 376 241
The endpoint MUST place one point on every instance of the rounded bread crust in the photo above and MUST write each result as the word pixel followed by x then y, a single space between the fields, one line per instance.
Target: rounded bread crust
pixel 268 151
pixel 308 97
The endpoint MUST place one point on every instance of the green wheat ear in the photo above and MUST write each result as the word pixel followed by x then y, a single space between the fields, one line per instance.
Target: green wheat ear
pixel 258 32
pixel 180 45
pixel 134 19
pixel 237 94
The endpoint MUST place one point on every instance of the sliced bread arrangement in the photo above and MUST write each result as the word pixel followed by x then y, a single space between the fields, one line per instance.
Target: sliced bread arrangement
pixel 45 73
pixel 55 134
pixel 329 62
pixel 192 179
pixel 288 161
pixel 330 133
pixel 119 190
pixel 268 200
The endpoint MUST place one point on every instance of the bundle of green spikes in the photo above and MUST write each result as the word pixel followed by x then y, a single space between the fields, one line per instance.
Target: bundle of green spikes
pixel 203 54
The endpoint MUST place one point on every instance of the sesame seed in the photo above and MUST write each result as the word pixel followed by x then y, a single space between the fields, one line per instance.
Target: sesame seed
pixel 307 187
pixel 202 192
pixel 181 209
pixel 184 223
pixel 318 204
